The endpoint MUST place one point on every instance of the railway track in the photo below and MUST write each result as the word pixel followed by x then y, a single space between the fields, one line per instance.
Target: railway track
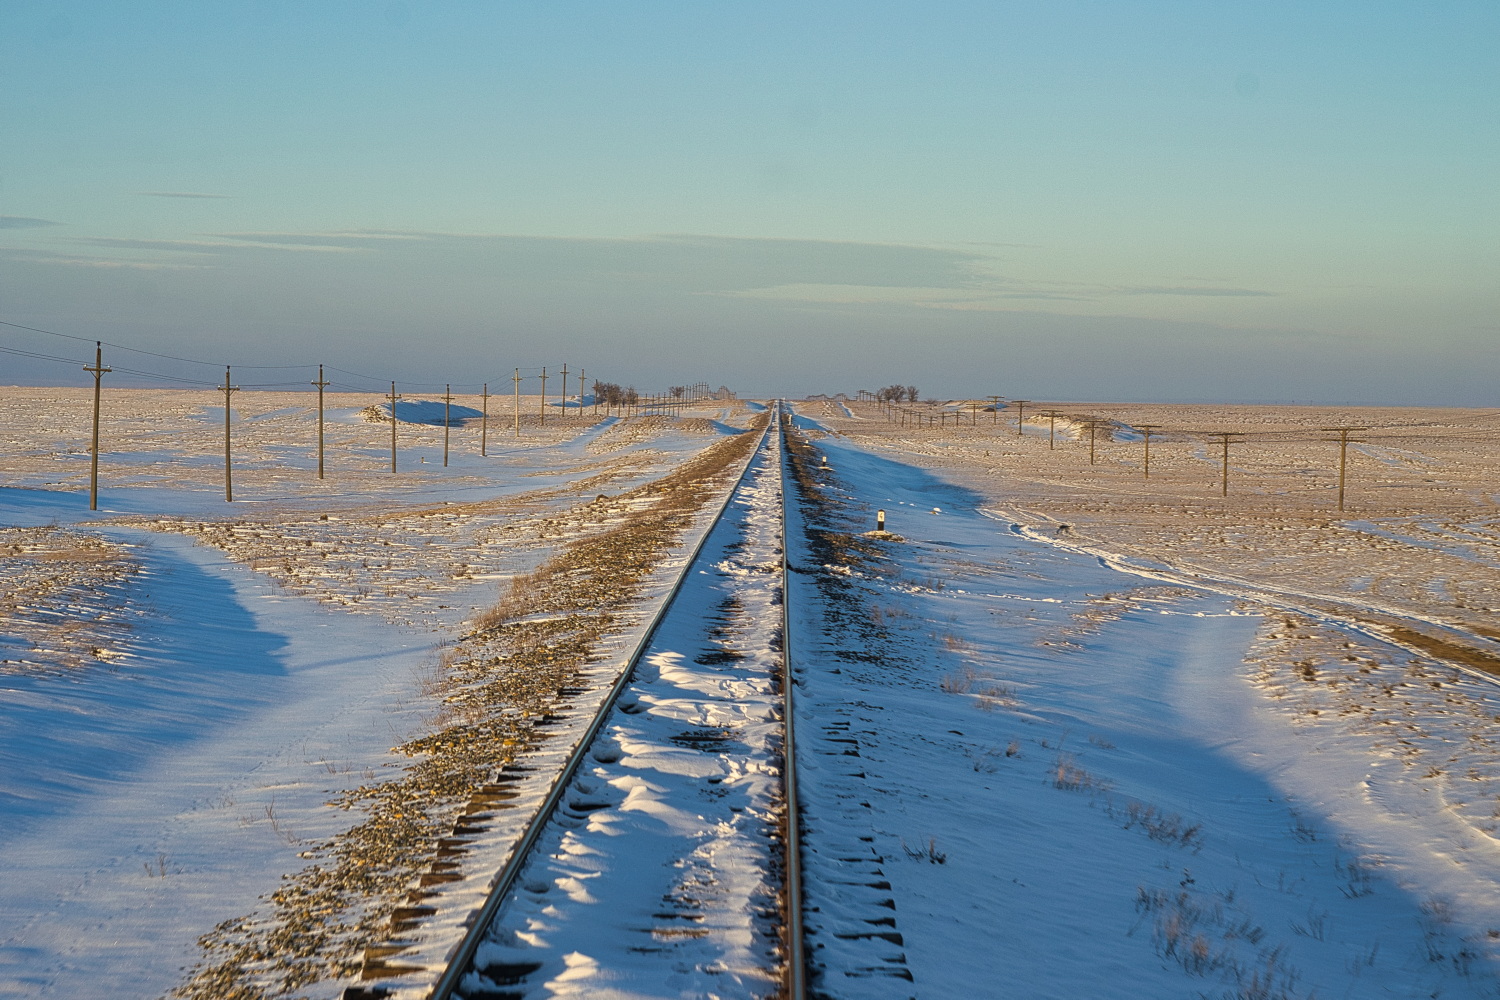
pixel 665 857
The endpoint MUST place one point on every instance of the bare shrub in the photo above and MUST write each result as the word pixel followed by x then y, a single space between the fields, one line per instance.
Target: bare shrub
pixel 1068 776
pixel 1164 827
pixel 930 853
pixel 960 681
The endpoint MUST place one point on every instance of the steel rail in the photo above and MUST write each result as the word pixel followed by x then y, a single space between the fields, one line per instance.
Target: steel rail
pixel 795 979
pixel 463 955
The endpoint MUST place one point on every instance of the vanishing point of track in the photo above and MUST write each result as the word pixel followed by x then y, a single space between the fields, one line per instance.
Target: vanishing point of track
pixel 792 973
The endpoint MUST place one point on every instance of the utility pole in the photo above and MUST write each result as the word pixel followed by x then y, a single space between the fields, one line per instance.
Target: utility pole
pixel 322 384
pixel 447 421
pixel 1051 416
pixel 995 408
pixel 596 398
pixel 544 397
pixel 1344 441
pixel 1020 414
pixel 564 397
pixel 1093 426
pixel 1146 430
pixel 97 371
pixel 228 481
pixel 517 380
pixel 1225 440
pixel 484 421
pixel 393 397
pixel 582 386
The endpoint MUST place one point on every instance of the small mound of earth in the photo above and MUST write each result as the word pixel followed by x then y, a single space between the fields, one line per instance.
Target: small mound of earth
pixel 419 411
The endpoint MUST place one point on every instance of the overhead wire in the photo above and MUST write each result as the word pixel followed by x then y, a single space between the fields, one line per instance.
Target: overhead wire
pixel 420 386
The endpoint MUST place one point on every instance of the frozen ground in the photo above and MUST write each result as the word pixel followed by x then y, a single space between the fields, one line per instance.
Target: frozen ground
pixel 1066 734
pixel 176 715
pixel 1087 773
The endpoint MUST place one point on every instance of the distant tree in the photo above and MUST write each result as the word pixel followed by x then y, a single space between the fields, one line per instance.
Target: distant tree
pixel 911 394
pixel 678 390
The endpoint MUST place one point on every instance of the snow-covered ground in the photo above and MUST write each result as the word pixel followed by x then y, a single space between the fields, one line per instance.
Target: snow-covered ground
pixel 1083 778
pixel 659 876
pixel 1048 750
pixel 177 716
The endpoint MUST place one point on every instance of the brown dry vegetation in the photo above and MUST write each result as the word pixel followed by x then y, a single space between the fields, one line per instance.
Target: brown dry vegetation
pixel 147 433
pixel 505 679
pixel 62 597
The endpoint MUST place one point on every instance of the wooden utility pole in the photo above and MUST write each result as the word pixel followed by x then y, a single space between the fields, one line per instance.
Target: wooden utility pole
pixel 1344 441
pixel 517 380
pixel 995 408
pixel 596 398
pixel 544 397
pixel 1225 439
pixel 1020 414
pixel 447 419
pixel 393 397
pixel 1051 416
pixel 484 421
pixel 97 371
pixel 563 398
pixel 1146 430
pixel 1093 427
pixel 322 384
pixel 582 387
pixel 228 480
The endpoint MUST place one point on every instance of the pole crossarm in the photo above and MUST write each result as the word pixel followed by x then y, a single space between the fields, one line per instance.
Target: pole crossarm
pixel 1344 441
pixel 1226 438
pixel 1146 430
pixel 1051 416
pixel 1020 405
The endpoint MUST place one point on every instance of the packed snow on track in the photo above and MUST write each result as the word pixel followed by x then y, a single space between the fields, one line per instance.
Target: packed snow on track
pixel 659 875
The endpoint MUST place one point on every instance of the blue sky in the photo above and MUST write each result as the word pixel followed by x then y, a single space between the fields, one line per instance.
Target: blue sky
pixel 1056 200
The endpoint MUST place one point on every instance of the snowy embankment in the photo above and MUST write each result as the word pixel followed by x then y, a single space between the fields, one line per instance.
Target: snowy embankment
pixel 1081 782
pixel 170 779
pixel 659 875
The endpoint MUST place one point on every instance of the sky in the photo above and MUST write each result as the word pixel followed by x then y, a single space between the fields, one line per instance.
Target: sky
pixel 1173 201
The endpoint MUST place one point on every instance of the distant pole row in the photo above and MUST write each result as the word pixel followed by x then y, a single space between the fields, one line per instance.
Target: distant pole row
pixel 905 416
pixel 679 396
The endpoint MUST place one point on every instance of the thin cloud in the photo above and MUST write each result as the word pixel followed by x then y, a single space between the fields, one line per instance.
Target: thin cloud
pixel 1189 290
pixel 206 246
pixel 180 194
pixel 106 263
pixel 22 222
